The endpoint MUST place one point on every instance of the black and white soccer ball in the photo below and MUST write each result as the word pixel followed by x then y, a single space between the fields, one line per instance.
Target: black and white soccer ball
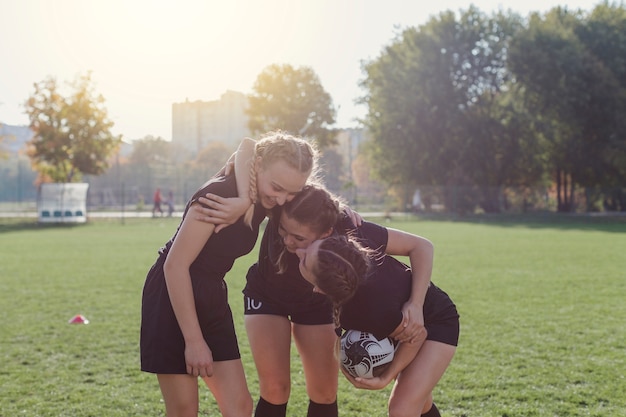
pixel 364 356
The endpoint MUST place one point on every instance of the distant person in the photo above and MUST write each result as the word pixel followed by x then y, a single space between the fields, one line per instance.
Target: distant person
pixel 157 199
pixel 141 202
pixel 335 265
pixel 170 203
pixel 187 329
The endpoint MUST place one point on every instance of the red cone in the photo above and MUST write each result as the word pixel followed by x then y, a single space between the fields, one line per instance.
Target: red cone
pixel 78 319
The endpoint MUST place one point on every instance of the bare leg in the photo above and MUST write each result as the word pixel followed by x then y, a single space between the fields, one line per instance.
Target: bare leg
pixel 412 392
pixel 270 342
pixel 316 344
pixel 228 385
pixel 180 394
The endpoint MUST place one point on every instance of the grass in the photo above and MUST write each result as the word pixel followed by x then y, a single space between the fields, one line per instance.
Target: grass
pixel 541 302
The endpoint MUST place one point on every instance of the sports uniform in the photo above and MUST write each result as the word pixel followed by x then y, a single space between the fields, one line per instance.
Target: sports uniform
pixel 287 294
pixel 377 304
pixel 162 344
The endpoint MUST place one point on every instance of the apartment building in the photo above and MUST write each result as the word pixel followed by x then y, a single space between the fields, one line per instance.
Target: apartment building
pixel 197 123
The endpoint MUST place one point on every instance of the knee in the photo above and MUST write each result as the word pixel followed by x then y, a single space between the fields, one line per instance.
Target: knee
pixel 404 407
pixel 323 394
pixel 276 392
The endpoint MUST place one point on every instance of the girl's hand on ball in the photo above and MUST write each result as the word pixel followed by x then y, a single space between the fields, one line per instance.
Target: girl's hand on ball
pixel 375 383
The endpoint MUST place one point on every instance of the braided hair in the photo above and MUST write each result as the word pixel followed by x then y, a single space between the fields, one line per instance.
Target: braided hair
pixel 342 265
pixel 315 207
pixel 275 146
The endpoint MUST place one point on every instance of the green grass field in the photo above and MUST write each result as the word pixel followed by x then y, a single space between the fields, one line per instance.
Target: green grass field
pixel 541 301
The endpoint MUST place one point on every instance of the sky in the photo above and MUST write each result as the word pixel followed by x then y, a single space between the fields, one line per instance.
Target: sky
pixel 144 55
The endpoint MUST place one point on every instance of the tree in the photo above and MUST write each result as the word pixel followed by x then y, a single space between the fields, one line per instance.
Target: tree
pixel 411 105
pixel 71 134
pixel 291 99
pixel 434 100
pixel 571 67
pixel 210 160
pixel 150 150
pixel 603 34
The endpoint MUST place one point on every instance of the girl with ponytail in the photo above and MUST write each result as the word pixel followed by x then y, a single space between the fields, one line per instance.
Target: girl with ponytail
pixel 187 330
pixel 380 301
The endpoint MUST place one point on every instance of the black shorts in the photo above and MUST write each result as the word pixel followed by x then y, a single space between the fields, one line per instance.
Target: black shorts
pixel 441 317
pixel 162 344
pixel 320 314
pixel 444 331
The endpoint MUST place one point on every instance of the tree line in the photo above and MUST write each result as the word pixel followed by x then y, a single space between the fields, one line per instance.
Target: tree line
pixel 463 107
pixel 485 102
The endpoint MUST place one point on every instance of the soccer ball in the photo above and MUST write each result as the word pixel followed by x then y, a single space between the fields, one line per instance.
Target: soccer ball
pixel 364 356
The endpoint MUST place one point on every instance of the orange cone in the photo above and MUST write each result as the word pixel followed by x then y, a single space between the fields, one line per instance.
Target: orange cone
pixel 78 319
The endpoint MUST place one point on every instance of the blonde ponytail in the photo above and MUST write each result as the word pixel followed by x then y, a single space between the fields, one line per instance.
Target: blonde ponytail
pixel 247 217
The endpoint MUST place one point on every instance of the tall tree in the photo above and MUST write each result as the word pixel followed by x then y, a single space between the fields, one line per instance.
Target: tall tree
pixel 71 134
pixel 433 99
pixel 294 100
pixel 571 67
pixel 604 34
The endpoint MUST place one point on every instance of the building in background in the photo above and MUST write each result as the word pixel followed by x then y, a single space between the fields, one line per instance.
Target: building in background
pixel 197 123
pixel 195 126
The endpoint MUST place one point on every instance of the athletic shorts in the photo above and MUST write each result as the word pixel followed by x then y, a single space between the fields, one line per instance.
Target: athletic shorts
pixel 162 343
pixel 445 332
pixel 441 317
pixel 319 314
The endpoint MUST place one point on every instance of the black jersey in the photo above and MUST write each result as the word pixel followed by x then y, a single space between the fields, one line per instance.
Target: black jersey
pixel 377 304
pixel 162 344
pixel 221 250
pixel 288 289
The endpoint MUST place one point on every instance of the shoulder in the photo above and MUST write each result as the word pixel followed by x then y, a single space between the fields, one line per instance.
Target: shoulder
pixel 373 235
pixel 224 186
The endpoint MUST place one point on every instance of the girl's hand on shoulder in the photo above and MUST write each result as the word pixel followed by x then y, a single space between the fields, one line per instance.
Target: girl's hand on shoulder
pixel 220 211
pixel 356 218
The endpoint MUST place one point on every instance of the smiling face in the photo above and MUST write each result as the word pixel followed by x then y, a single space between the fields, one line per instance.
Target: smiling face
pixel 278 183
pixel 296 235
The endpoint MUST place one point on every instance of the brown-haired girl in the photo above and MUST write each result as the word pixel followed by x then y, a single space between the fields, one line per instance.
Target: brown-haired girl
pixel 377 304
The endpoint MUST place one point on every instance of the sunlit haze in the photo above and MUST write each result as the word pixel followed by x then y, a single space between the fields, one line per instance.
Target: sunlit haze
pixel 145 55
